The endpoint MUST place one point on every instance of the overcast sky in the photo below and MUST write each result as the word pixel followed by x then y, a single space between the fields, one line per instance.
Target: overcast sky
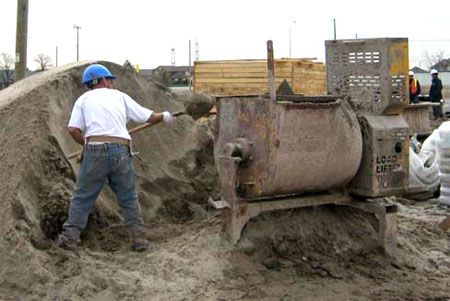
pixel 144 31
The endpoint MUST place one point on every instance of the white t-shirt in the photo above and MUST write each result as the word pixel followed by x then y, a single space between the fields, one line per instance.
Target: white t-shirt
pixel 105 112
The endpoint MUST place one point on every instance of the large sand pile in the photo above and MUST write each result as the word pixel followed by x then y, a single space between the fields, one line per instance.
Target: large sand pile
pixel 175 168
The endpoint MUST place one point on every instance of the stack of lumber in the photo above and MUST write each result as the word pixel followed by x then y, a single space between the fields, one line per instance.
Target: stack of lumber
pixel 249 77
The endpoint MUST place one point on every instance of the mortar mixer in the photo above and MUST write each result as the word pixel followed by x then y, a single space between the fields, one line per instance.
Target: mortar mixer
pixel 350 147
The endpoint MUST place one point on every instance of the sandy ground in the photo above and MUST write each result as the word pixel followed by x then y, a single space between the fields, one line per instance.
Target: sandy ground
pixel 323 253
pixel 318 253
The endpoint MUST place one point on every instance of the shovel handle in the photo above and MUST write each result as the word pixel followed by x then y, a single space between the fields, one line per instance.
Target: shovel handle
pixel 132 131
pixel 146 125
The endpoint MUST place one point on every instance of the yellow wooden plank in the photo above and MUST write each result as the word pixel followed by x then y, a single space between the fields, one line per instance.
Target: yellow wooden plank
pixel 227 81
pixel 231 75
pixel 232 70
pixel 260 86
pixel 231 65
pixel 235 84
pixel 242 76
pixel 244 64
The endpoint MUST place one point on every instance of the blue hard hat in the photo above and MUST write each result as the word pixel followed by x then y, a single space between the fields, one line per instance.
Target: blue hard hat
pixel 96 71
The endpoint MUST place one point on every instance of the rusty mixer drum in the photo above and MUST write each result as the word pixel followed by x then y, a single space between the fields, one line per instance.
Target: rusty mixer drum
pixel 303 144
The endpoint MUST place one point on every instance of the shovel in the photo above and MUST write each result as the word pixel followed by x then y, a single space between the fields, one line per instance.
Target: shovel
pixel 196 109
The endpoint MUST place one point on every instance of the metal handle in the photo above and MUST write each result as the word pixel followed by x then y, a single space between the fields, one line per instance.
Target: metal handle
pixel 271 71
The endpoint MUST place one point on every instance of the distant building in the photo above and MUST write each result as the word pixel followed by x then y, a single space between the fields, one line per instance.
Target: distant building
pixel 418 70
pixel 442 66
pixel 174 75
pixel 148 72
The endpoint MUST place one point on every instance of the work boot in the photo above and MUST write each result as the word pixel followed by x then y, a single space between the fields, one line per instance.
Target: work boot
pixel 69 238
pixel 140 243
pixel 67 243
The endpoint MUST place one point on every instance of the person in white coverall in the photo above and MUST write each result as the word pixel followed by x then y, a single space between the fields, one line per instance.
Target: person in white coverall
pixel 98 123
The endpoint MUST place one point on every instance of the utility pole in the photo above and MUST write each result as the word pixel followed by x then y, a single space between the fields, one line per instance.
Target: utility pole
pixel 78 41
pixel 21 40
pixel 290 25
pixel 173 57
pixel 189 54
pixel 334 22
pixel 189 72
pixel 197 51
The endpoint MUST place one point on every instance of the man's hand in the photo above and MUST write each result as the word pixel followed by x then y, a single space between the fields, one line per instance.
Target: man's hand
pixel 158 117
pixel 168 118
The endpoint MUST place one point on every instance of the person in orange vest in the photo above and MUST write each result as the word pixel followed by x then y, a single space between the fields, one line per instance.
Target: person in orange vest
pixel 414 88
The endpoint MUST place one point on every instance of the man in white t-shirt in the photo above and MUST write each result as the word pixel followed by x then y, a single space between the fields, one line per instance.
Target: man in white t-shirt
pixel 98 123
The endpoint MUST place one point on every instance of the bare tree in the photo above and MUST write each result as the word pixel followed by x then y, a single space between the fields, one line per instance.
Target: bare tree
pixel 44 61
pixel 431 59
pixel 6 64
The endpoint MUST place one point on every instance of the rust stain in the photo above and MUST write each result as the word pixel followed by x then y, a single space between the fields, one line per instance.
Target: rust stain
pixel 398 58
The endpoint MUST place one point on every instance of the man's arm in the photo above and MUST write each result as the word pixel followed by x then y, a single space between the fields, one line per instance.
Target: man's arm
pixel 155 118
pixel 158 117
pixel 137 112
pixel 76 134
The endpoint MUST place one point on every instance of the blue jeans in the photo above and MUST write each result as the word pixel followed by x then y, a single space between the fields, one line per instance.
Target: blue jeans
pixel 104 161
